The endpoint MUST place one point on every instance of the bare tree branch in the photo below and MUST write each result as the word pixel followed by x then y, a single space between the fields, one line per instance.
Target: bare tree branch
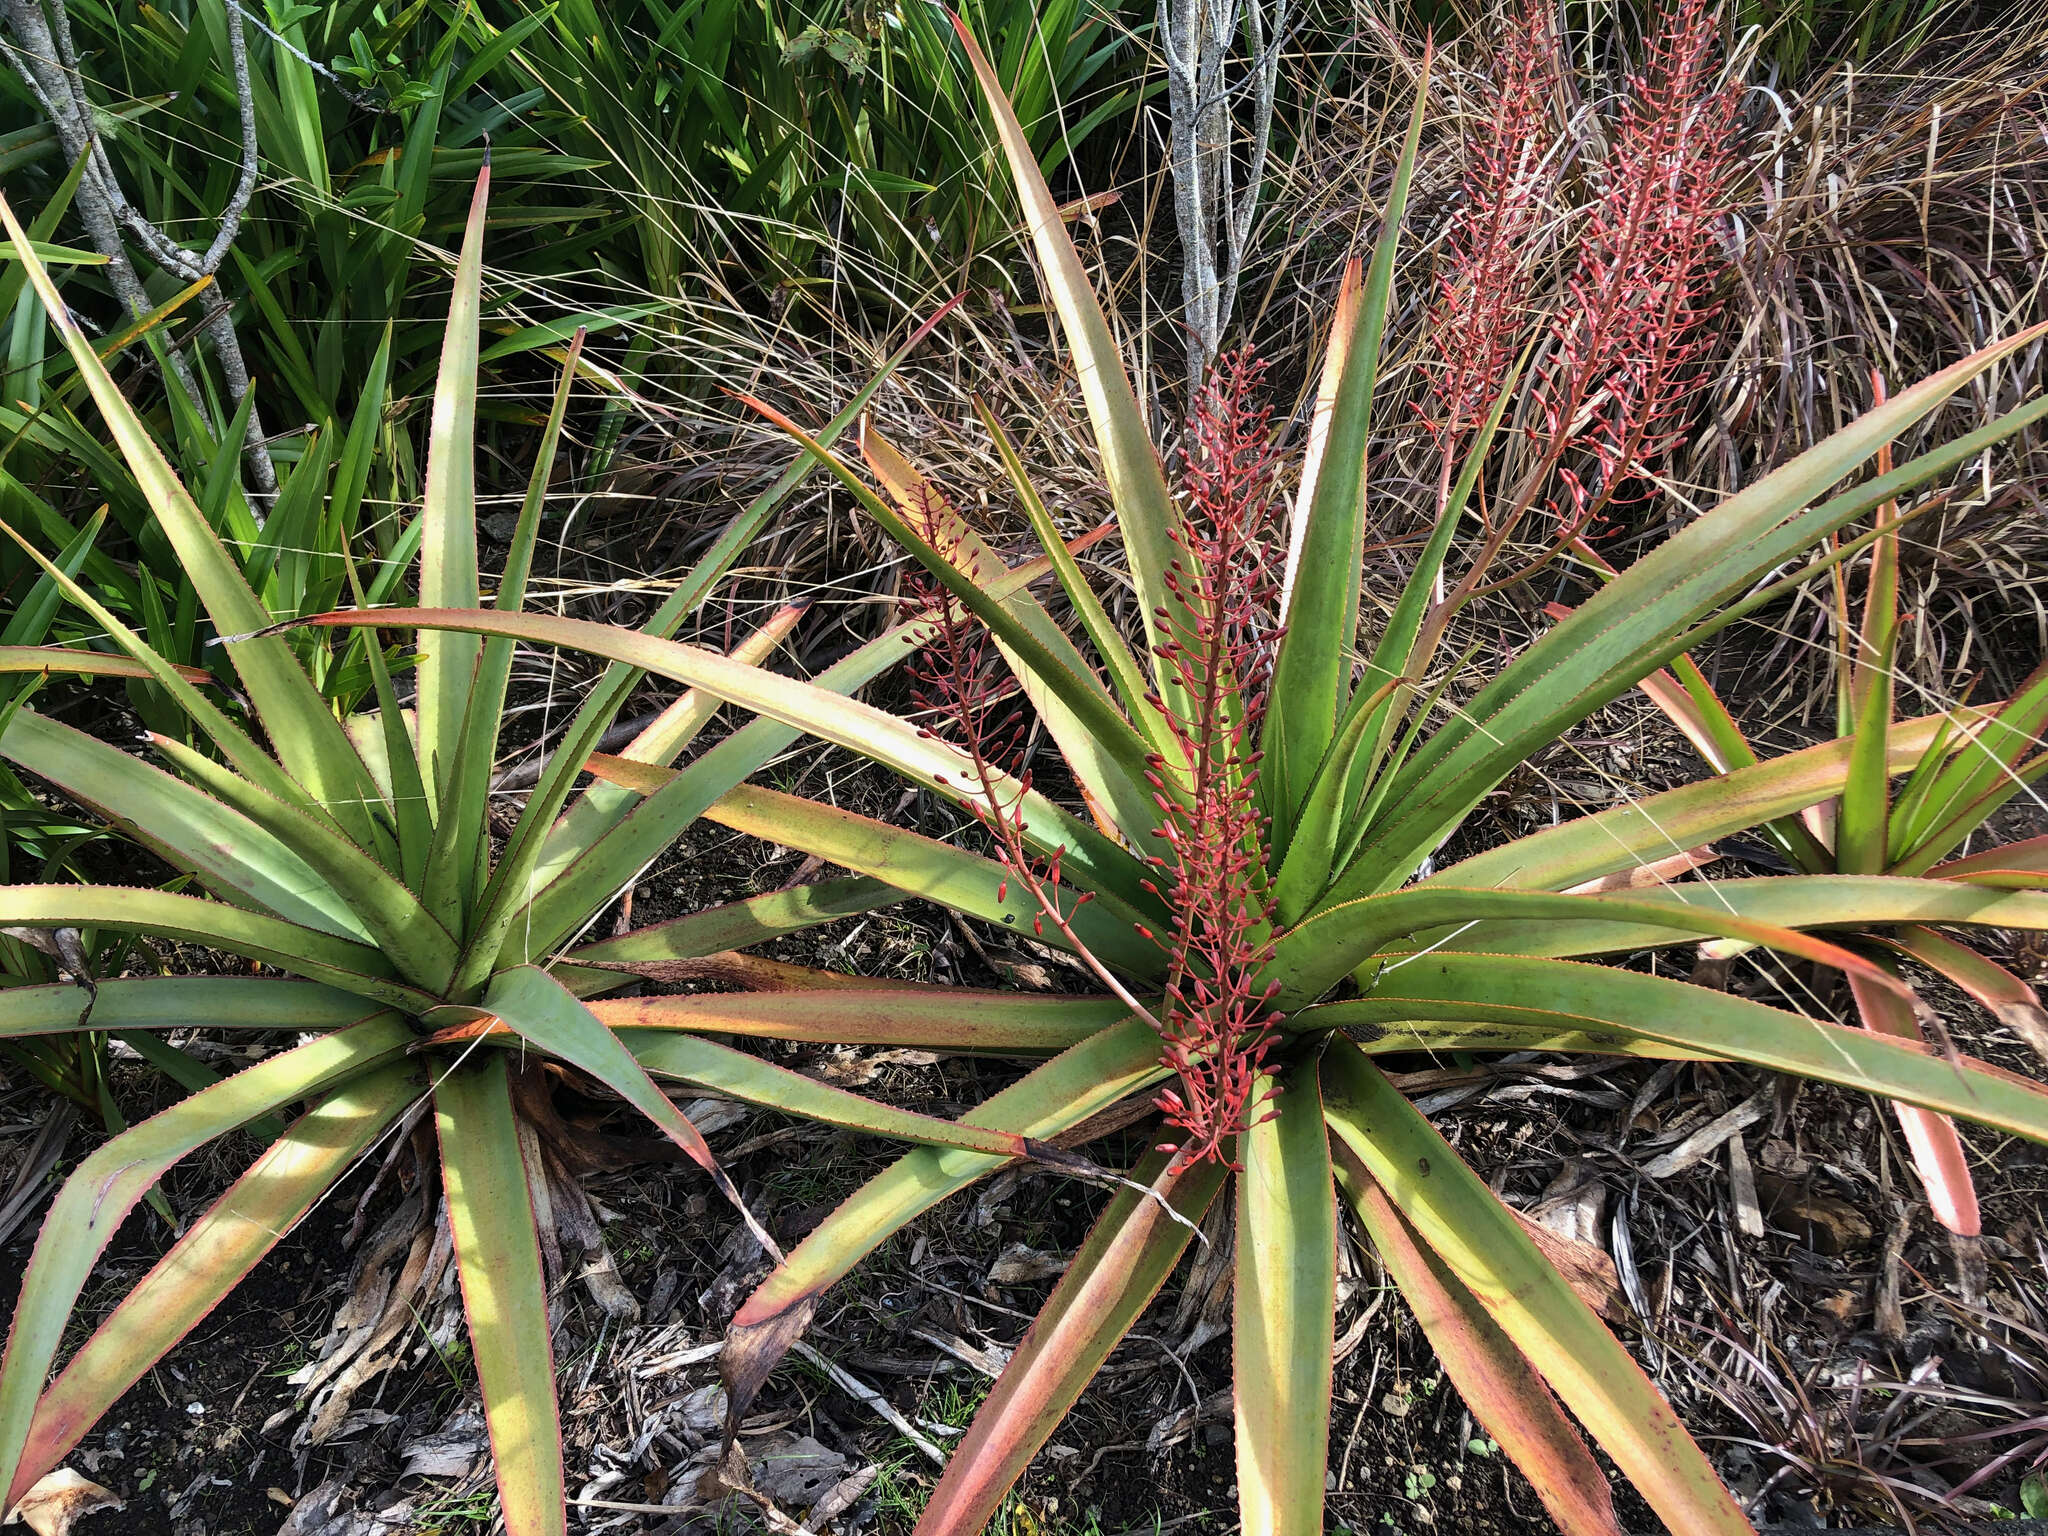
pixel 1221 134
pixel 42 52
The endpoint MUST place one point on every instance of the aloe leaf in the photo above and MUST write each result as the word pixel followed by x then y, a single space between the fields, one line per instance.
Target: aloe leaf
pixel 2013 1001
pixel 524 871
pixel 1566 995
pixel 738 924
pixel 603 806
pixel 1310 958
pixel 497 1254
pixel 1978 777
pixel 576 880
pixel 64 660
pixel 806 707
pixel 1481 1243
pixel 186 828
pixel 1128 1254
pixel 1311 674
pixel 1103 749
pixel 234 743
pixel 603 701
pixel 1535 1032
pixel 1125 674
pixel 1864 813
pixel 1640 620
pixel 546 1013
pixel 213 1256
pixel 720 1069
pixel 317 956
pixel 921 866
pixel 1312 849
pixel 90 1207
pixel 1137 485
pixel 1853 902
pixel 448 574
pixel 1507 1398
pixel 1643 831
pixel 1286 1306
pixel 401 927
pixel 1936 1148
pixel 457 837
pixel 177 1002
pixel 1099 1072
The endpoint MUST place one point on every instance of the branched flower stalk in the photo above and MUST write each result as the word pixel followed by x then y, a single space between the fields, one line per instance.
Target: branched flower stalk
pixel 1214 1030
pixel 1508 196
pixel 1620 364
pixel 1218 646
pixel 1627 344
pixel 956 679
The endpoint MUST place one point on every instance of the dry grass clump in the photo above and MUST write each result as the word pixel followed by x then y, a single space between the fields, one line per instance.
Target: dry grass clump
pixel 1882 220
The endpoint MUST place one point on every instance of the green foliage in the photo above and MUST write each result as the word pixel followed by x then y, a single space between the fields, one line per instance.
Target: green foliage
pixel 353 852
pixel 1372 953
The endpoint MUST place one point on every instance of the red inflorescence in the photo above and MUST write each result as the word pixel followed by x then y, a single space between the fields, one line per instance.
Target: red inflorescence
pixel 959 679
pixel 1482 301
pixel 1218 647
pixel 1628 343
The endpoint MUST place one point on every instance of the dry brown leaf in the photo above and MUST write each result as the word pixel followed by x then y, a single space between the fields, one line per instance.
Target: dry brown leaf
pixel 59 1500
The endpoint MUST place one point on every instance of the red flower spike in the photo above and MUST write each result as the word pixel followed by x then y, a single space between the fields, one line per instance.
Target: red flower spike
pixel 1509 195
pixel 1628 344
pixel 1220 650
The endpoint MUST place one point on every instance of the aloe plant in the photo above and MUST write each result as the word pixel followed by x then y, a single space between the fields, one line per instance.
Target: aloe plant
pixel 1249 877
pixel 1976 761
pixel 351 858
